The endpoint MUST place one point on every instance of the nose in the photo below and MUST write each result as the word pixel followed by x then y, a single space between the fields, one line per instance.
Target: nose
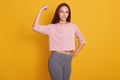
pixel 64 13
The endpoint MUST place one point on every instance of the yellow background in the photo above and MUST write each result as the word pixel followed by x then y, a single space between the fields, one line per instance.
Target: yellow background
pixel 24 53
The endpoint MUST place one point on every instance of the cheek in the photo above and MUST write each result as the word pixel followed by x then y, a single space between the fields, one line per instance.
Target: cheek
pixel 60 14
pixel 67 14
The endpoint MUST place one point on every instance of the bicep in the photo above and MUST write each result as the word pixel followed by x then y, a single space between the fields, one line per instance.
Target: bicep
pixel 44 29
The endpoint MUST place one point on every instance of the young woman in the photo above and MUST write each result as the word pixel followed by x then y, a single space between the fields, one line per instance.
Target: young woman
pixel 62 35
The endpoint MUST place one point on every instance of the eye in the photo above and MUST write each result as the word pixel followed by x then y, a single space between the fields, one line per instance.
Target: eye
pixel 67 12
pixel 61 11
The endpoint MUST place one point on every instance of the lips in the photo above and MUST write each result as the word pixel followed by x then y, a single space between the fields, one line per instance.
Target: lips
pixel 63 17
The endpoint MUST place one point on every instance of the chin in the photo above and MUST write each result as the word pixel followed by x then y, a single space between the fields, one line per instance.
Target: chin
pixel 63 19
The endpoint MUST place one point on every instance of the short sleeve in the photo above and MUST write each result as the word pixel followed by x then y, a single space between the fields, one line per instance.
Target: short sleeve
pixel 44 29
pixel 79 35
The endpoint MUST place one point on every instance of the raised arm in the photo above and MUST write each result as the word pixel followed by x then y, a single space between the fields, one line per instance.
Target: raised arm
pixel 37 19
pixel 37 26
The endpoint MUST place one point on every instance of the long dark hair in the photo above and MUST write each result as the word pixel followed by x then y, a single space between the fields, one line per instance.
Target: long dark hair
pixel 56 14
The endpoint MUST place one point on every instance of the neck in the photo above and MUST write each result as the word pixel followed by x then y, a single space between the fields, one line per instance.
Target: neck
pixel 62 22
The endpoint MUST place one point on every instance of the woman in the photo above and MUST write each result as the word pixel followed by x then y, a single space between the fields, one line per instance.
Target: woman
pixel 61 34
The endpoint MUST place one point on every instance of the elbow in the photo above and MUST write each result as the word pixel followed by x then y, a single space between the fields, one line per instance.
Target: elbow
pixel 34 28
pixel 82 43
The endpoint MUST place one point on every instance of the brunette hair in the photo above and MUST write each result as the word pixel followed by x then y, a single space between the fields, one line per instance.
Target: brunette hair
pixel 56 14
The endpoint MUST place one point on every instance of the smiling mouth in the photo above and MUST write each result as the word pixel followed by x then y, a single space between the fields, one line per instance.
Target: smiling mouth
pixel 63 17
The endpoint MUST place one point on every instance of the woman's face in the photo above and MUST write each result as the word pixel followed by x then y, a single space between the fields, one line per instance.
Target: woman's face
pixel 63 13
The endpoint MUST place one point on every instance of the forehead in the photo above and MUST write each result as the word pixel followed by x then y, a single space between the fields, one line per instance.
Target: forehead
pixel 64 8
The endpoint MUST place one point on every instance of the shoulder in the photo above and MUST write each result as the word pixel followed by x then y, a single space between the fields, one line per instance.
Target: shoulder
pixel 50 25
pixel 75 26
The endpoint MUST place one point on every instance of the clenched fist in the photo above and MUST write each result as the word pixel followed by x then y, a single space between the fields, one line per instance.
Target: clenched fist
pixel 44 8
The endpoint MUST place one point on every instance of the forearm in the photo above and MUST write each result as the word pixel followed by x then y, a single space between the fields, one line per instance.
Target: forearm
pixel 37 19
pixel 78 49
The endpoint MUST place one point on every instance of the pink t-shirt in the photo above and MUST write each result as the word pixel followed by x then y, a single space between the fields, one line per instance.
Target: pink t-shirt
pixel 61 36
